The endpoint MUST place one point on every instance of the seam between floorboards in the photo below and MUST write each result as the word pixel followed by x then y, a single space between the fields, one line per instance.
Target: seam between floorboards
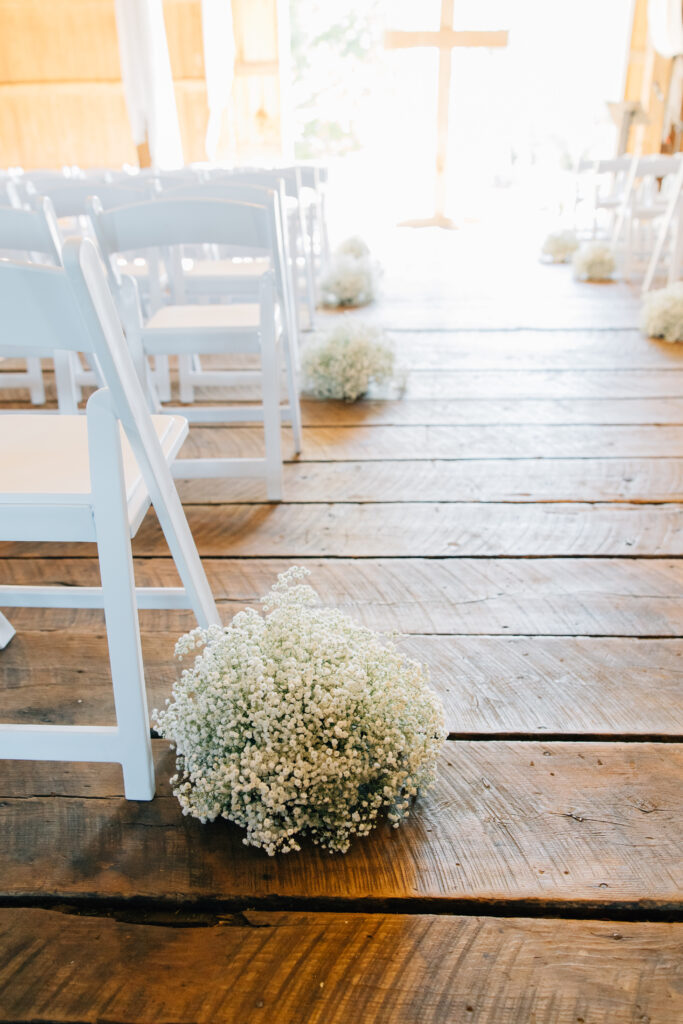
pixel 530 907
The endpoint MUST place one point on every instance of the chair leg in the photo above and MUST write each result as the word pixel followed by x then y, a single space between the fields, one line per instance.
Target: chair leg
pixel 162 378
pixel 67 392
pixel 270 392
pixel 185 365
pixel 293 395
pixel 118 592
pixel 675 255
pixel 36 384
pixel 76 369
pixel 308 267
pixel 7 631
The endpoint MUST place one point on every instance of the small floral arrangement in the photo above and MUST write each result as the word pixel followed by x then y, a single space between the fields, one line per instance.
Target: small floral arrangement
pixel 559 246
pixel 351 279
pixel 594 261
pixel 354 246
pixel 662 313
pixel 345 361
pixel 298 723
pixel 349 282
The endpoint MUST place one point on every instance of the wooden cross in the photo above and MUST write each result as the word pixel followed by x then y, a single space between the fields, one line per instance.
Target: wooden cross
pixel 446 39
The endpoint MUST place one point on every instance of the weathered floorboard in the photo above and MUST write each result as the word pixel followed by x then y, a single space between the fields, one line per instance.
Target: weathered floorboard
pixel 546 384
pixel 404 530
pixel 380 443
pixel 590 825
pixel 412 529
pixel 490 685
pixel 447 411
pixel 295 967
pixel 562 596
pixel 523 480
pixel 455 411
pixel 528 350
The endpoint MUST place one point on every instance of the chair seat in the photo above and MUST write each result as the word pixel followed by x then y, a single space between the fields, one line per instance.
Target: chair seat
pixel 226 268
pixel 44 460
pixel 239 316
pixel 610 202
pixel 648 212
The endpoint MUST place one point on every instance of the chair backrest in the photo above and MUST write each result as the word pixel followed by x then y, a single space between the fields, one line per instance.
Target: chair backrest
pixel 235 190
pixel 658 165
pixel 71 308
pixel 30 231
pixel 270 178
pixel 69 196
pixel 612 165
pixel 272 201
pixel 166 222
pixel 9 193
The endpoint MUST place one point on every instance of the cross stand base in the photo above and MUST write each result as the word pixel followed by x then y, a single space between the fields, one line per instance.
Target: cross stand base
pixel 437 221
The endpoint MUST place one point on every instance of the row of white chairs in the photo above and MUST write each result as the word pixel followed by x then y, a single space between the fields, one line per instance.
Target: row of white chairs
pixel 636 202
pixel 304 195
pixel 224 214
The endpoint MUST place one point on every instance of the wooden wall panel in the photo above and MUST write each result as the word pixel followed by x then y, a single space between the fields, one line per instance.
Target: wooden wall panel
pixel 64 123
pixel 648 76
pixel 61 98
pixel 58 41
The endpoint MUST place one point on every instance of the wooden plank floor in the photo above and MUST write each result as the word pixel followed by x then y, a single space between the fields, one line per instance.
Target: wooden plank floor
pixel 517 513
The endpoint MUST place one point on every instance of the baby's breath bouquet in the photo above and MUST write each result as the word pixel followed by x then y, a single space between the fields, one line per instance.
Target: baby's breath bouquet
pixel 299 723
pixel 350 281
pixel 351 278
pixel 594 261
pixel 353 246
pixel 559 246
pixel 662 313
pixel 345 361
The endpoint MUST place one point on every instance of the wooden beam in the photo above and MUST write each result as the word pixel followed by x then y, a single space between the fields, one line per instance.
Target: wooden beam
pixel 445 39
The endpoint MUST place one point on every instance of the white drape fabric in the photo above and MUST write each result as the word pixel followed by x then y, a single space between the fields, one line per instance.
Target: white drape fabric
pixel 219 65
pixel 665 25
pixel 147 80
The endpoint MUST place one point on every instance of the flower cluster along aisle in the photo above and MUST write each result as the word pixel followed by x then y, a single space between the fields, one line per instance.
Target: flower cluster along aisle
pixel 346 361
pixel 351 279
pixel 662 313
pixel 300 723
pixel 559 246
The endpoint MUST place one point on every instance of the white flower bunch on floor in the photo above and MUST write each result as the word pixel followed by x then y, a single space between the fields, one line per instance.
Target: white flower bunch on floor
pixel 594 261
pixel 300 723
pixel 353 246
pixel 346 360
pixel 662 313
pixel 351 279
pixel 349 282
pixel 559 246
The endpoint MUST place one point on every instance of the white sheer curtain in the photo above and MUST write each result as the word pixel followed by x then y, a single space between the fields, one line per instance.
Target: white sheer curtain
pixel 665 25
pixel 147 80
pixel 219 65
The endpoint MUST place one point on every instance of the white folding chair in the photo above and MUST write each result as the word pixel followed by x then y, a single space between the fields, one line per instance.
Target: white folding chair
pixel 314 181
pixel 647 204
pixel 22 232
pixel 605 182
pixel 670 227
pixel 228 278
pixel 92 478
pixel 188 330
pixel 33 233
pixel 299 244
pixel 69 197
